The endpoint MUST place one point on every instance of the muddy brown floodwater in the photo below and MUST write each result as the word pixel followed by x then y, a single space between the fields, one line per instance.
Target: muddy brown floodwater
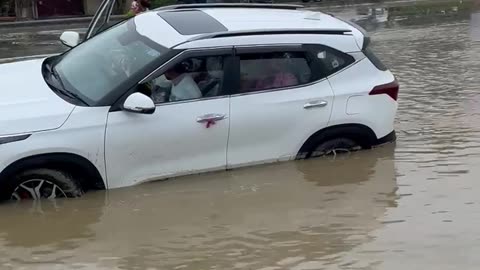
pixel 411 205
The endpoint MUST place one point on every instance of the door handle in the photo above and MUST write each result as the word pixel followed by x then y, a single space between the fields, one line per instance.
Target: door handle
pixel 211 117
pixel 315 104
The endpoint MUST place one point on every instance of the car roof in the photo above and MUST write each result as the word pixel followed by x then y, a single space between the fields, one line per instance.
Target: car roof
pixel 171 27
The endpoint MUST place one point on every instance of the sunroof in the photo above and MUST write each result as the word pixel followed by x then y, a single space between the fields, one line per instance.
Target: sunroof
pixel 192 22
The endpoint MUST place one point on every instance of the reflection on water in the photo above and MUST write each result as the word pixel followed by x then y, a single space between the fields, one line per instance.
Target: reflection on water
pixel 282 215
pixel 413 205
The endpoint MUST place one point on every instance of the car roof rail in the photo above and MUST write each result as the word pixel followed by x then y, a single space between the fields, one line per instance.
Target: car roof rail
pixel 257 32
pixel 230 5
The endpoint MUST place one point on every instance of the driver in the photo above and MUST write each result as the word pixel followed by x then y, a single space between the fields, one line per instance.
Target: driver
pixel 183 85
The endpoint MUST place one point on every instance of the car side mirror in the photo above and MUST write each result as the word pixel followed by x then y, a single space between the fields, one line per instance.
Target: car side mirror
pixel 70 38
pixel 139 103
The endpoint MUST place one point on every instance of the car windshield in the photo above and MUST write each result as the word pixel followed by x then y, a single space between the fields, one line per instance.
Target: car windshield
pixel 100 65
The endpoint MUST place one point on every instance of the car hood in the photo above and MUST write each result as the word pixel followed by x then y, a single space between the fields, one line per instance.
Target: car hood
pixel 27 104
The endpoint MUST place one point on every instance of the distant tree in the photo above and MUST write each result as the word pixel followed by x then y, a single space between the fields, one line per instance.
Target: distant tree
pixel 24 9
pixel 161 3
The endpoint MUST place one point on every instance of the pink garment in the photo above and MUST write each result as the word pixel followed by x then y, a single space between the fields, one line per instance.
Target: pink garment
pixel 280 80
pixel 136 7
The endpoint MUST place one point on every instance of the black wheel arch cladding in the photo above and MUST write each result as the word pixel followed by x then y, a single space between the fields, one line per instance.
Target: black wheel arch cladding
pixel 62 179
pixel 360 134
pixel 78 166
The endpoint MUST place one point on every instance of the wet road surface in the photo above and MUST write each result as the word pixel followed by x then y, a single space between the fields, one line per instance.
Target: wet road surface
pixel 19 42
pixel 411 205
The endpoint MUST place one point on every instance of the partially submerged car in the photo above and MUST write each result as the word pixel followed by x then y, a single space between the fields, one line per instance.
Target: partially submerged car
pixel 188 89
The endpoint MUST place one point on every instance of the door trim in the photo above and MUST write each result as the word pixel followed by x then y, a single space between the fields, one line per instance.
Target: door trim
pixel 279 89
pixel 190 100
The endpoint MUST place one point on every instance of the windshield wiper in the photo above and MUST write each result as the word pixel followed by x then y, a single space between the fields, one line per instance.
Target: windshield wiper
pixel 63 90
pixel 73 96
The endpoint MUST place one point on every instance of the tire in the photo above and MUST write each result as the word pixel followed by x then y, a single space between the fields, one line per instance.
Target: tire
pixel 41 184
pixel 334 147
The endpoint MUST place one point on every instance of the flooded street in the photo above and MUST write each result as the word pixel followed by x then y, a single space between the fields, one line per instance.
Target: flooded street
pixel 286 215
pixel 411 205
pixel 20 42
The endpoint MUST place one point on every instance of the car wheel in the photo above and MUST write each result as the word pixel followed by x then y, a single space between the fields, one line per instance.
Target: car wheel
pixel 43 184
pixel 334 147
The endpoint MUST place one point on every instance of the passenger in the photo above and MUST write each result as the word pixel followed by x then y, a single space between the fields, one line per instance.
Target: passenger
pixel 183 85
pixel 139 6
pixel 280 78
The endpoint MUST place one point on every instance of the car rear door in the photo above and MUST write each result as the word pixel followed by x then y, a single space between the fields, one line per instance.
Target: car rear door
pixel 282 99
pixel 101 19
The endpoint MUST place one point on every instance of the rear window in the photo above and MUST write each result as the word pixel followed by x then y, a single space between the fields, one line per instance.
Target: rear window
pixel 374 59
pixel 331 60
pixel 272 70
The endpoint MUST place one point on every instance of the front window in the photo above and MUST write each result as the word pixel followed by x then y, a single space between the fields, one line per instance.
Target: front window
pixel 192 78
pixel 94 69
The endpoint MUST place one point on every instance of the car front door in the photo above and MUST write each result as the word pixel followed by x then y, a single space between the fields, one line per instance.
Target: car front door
pixel 101 19
pixel 188 131
pixel 282 99
pixel 100 22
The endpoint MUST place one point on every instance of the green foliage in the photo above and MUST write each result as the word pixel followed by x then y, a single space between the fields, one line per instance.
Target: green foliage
pixel 161 3
pixel 130 14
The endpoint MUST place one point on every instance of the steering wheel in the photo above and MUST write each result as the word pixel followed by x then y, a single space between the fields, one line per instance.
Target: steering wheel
pixel 121 62
pixel 114 64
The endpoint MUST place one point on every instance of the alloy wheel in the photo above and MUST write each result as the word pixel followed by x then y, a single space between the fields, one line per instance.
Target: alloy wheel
pixel 37 189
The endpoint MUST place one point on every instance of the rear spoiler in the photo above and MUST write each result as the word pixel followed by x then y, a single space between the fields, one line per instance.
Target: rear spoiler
pixel 365 42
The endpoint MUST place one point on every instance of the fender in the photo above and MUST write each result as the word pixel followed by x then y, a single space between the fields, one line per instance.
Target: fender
pixel 74 163
pixel 359 133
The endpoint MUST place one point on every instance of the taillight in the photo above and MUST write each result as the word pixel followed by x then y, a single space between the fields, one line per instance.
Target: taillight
pixel 390 89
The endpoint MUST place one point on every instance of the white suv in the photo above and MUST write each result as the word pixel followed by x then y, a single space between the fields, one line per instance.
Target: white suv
pixel 188 89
